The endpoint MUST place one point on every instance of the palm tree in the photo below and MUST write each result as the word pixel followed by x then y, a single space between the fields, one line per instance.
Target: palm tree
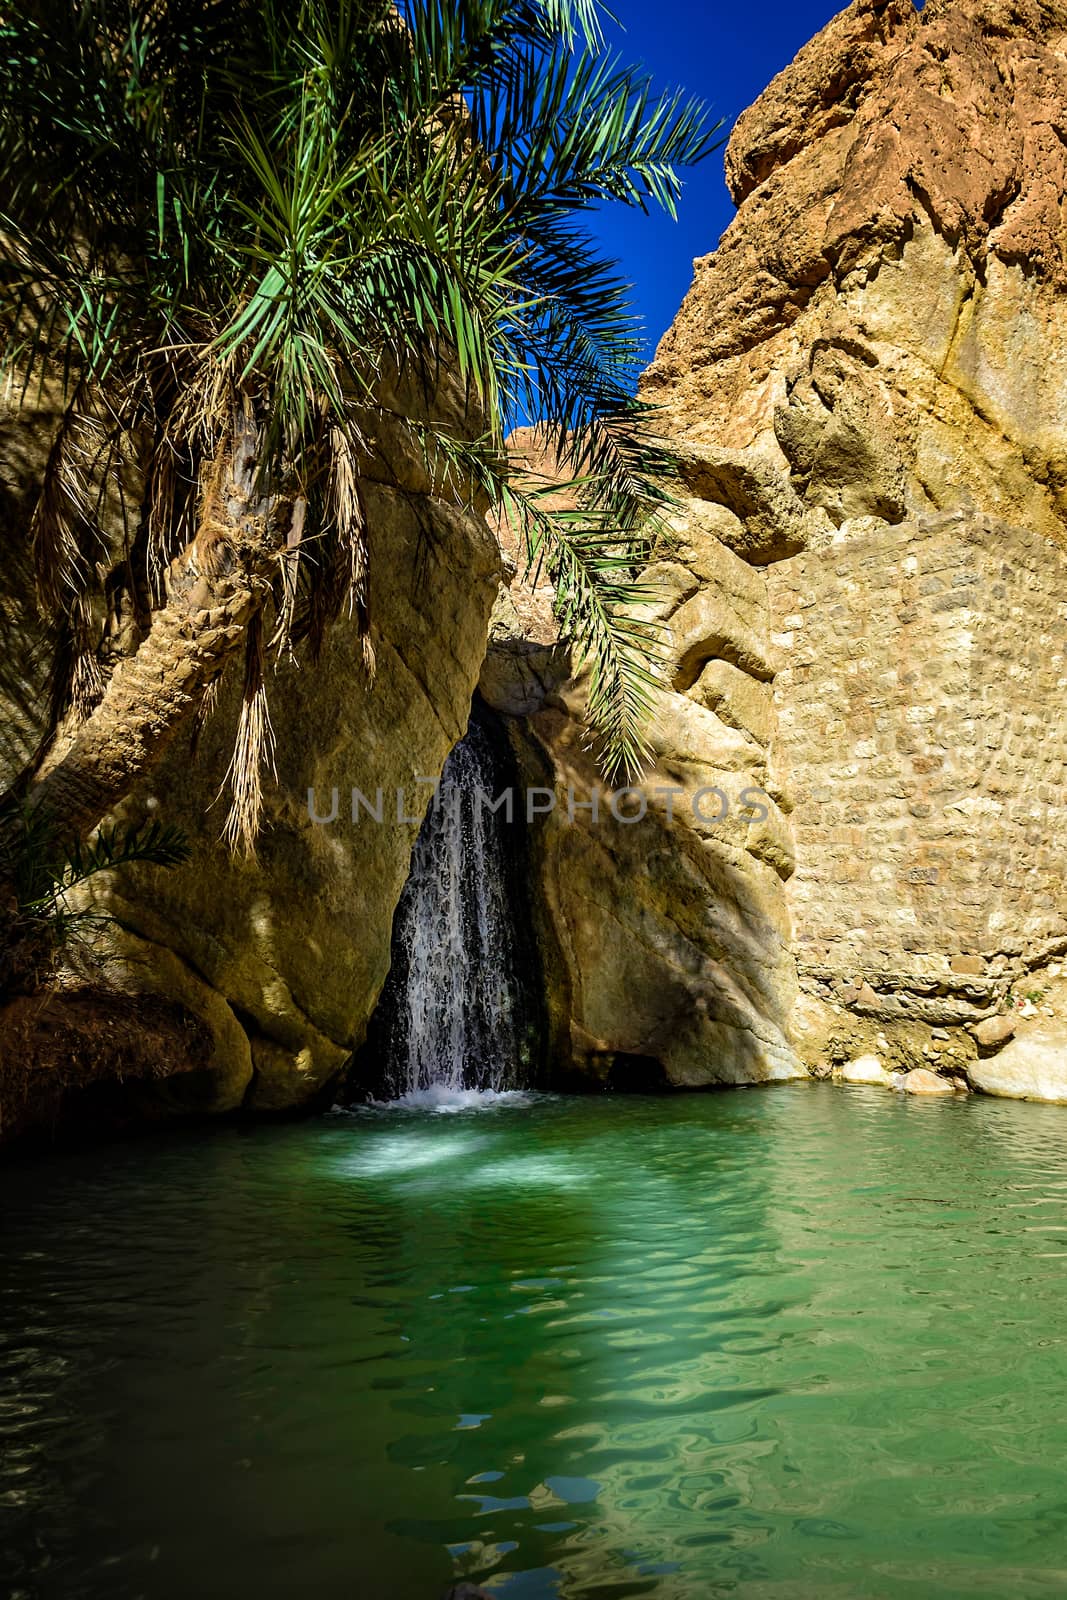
pixel 39 872
pixel 238 235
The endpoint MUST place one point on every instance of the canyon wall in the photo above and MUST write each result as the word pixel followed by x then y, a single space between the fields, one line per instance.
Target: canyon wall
pixel 248 982
pixel 662 909
pixel 866 387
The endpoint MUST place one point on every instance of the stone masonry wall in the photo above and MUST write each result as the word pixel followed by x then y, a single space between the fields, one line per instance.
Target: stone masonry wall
pixel 922 738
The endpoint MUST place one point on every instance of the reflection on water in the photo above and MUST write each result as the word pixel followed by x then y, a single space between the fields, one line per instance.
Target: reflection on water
pixel 796 1343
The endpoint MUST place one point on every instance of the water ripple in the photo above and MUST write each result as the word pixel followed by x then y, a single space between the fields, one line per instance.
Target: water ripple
pixel 806 1344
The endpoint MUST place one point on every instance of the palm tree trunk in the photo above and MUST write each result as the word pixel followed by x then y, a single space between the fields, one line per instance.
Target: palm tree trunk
pixel 214 589
pixel 147 701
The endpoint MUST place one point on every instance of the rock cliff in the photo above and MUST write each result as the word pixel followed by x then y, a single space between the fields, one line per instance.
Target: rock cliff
pixel 275 963
pixel 867 598
pixel 881 329
pixel 662 910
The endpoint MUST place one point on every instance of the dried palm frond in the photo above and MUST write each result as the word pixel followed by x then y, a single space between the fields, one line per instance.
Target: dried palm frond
pixel 285 633
pixel 65 534
pixel 209 702
pixel 253 750
pixel 347 517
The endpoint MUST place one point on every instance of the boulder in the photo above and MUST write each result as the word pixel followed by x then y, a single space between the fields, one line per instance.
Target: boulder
pixel 920 1080
pixel 1032 1066
pixel 665 937
pixel 992 1033
pixel 865 1069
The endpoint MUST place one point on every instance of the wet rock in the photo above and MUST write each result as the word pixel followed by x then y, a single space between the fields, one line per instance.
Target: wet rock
pixel 865 1069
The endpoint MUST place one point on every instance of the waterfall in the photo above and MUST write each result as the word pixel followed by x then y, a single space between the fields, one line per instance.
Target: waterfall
pixel 453 1006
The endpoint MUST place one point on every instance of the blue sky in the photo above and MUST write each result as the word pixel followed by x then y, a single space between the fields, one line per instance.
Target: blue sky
pixel 726 55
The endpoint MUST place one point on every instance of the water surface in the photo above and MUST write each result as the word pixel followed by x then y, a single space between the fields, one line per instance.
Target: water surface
pixel 796 1343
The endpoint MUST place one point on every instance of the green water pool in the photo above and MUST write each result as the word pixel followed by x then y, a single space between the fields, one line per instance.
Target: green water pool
pixel 794 1343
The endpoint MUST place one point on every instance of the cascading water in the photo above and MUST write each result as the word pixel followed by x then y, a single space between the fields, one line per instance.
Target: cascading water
pixel 453 1009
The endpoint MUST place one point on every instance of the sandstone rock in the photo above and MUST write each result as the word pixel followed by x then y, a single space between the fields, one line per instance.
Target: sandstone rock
pixel 701 535
pixel 813 95
pixel 920 1080
pixel 519 672
pixel 223 1077
pixel 867 1000
pixel 837 434
pixel 736 698
pixel 664 940
pixel 992 1033
pixel 669 584
pixel 530 593
pixel 862 588
pixel 1030 1067
pixel 812 1026
pixel 771 521
pixel 867 395
pixel 882 324
pixel 706 628
pixel 284 956
pixel 770 838
pixel 866 388
pixel 696 748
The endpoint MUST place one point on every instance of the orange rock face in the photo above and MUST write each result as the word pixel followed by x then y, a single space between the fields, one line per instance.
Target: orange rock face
pixel 897 260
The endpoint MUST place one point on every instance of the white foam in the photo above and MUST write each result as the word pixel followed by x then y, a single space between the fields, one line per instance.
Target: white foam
pixel 442 1097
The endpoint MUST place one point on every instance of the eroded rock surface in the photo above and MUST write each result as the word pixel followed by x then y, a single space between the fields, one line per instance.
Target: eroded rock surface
pixel 284 955
pixel 863 598
pixel 276 962
pixel 664 921
pixel 882 327
pixel 865 594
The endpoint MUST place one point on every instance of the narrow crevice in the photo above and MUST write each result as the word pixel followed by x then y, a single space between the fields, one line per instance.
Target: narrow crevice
pixel 463 1004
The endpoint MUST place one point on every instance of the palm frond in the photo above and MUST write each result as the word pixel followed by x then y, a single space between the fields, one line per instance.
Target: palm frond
pixel 226 211
pixel 592 565
pixel 574 19
pixel 152 842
